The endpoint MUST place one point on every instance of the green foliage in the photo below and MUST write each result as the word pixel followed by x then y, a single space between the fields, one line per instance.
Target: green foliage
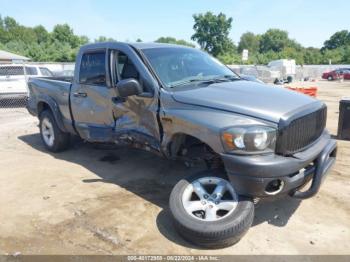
pixel 312 56
pixel 64 34
pixel 83 40
pixel 335 55
pixel 276 40
pixel 249 41
pixel 211 33
pixel 276 44
pixel 60 45
pixel 339 39
pixel 172 40
pixel 337 48
pixel 42 35
pixel 229 58
pixel 104 39
pixel 346 55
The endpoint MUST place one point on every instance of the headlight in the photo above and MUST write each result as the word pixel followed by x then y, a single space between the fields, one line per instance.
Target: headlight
pixel 249 139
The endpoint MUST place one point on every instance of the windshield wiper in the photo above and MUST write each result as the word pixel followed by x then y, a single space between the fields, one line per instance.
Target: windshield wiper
pixel 213 80
pixel 231 77
pixel 189 81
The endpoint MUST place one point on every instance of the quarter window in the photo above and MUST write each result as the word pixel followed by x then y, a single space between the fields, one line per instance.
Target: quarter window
pixel 92 69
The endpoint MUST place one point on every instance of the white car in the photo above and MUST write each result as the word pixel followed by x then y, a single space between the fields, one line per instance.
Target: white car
pixel 14 78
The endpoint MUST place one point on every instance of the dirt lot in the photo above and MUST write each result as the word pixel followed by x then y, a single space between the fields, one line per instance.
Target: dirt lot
pixel 99 200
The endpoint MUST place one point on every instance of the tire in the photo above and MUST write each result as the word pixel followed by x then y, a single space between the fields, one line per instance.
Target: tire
pixel 58 140
pixel 220 233
pixel 330 78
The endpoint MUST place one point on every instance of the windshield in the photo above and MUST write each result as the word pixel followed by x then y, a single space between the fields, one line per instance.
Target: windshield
pixel 176 66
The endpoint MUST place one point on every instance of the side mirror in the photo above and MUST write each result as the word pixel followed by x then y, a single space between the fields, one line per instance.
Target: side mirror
pixel 129 87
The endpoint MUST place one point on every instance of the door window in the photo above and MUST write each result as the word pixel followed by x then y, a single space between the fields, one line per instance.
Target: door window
pixel 92 69
pixel 125 68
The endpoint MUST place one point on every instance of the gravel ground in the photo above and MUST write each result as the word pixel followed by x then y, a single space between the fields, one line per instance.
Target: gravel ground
pixel 101 200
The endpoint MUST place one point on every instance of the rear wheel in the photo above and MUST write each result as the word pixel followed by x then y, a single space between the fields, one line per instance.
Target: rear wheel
pixel 330 78
pixel 53 138
pixel 208 212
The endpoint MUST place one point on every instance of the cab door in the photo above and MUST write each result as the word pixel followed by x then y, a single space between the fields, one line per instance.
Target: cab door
pixel 90 97
pixel 135 116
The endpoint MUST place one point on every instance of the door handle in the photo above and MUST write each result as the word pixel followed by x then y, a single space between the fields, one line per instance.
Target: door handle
pixel 80 94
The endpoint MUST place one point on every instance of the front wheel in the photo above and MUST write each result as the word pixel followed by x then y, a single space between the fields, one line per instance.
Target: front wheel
pixel 208 212
pixel 330 78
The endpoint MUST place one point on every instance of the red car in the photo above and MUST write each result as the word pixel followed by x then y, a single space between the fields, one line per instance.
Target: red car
pixel 337 74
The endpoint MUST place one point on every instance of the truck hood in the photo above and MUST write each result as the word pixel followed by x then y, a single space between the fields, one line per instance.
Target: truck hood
pixel 262 101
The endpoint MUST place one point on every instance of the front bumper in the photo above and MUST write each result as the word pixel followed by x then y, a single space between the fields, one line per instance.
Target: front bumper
pixel 251 175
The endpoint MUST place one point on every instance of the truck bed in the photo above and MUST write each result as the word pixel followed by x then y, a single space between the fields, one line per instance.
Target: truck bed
pixel 55 89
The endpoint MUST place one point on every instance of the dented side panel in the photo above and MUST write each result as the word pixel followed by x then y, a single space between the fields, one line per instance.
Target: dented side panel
pixel 104 116
pixel 136 121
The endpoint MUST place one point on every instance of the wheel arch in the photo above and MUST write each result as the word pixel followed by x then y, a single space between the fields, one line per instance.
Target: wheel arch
pixel 47 103
pixel 182 144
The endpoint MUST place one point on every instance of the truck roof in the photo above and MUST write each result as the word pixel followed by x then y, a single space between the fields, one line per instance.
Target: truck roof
pixel 155 45
pixel 135 45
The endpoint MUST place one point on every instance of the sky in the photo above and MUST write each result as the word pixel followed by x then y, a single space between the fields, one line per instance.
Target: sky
pixel 310 22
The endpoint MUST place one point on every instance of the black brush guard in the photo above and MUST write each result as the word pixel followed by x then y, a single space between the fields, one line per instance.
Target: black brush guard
pixel 322 165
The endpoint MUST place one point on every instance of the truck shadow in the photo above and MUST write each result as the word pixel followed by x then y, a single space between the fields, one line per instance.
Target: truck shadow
pixel 151 178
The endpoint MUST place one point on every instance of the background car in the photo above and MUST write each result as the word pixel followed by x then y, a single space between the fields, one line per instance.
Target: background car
pixel 14 77
pixel 337 74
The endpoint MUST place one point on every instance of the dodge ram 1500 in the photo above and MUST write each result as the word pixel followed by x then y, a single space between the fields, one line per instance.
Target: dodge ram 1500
pixel 257 141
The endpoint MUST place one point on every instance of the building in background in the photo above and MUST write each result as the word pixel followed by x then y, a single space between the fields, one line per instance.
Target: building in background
pixel 9 58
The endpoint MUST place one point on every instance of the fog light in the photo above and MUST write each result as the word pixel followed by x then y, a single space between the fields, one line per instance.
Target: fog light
pixel 274 187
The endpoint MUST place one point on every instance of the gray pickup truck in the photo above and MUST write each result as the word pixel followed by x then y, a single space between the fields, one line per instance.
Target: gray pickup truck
pixel 257 141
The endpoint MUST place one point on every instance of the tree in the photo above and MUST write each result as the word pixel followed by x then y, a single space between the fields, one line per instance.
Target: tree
pixel 172 40
pixel 14 31
pixel 211 33
pixel 249 41
pixel 64 34
pixel 138 40
pixel 83 40
pixel 41 34
pixel 3 33
pixel 339 39
pixel 104 39
pixel 334 55
pixel 276 40
pixel 229 58
pixel 312 56
pixel 9 23
pixel 1 23
pixel 346 55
